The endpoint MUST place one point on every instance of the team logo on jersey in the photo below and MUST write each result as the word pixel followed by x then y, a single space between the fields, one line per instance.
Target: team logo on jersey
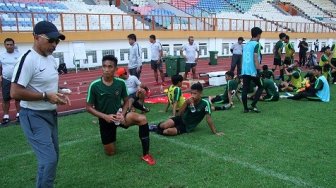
pixel 116 92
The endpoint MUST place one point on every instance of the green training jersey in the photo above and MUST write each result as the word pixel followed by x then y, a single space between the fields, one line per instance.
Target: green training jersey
pixel 175 95
pixel 190 119
pixel 231 85
pixel 278 45
pixel 271 88
pixel 267 74
pixel 107 99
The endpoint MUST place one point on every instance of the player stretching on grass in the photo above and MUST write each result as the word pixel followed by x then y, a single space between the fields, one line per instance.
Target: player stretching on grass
pixel 190 115
pixel 104 100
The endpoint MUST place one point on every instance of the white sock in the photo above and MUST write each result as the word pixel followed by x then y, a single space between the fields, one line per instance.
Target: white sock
pixel 17 114
pixel 6 116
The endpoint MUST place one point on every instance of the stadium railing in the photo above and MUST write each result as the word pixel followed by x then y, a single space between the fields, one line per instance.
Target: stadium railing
pixel 97 22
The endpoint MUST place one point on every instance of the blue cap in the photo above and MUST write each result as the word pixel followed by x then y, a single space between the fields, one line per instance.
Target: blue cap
pixel 49 29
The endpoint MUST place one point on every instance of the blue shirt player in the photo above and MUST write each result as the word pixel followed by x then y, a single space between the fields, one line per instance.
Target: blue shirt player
pixel 251 70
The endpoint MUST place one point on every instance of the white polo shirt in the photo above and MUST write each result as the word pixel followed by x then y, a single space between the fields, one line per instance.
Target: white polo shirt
pixel 8 61
pixel 39 74
pixel 237 49
pixel 132 84
pixel 155 51
pixel 191 52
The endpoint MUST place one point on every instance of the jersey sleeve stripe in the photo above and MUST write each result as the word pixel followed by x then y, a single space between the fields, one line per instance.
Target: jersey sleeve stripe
pixel 90 87
pixel 17 76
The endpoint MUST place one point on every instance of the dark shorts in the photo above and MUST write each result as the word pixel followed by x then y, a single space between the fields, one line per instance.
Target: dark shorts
pixel 219 99
pixel 108 131
pixel 288 61
pixel 179 125
pixel 277 62
pixel 155 65
pixel 189 66
pixel 133 96
pixel 134 72
pixel 6 85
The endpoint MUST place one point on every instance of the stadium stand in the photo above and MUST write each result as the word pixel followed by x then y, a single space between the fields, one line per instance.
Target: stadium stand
pixel 20 15
pixel 325 5
pixel 243 5
pixel 307 8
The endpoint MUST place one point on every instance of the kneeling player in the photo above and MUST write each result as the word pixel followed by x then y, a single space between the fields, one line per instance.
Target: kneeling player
pixel 104 100
pixel 190 115
pixel 272 91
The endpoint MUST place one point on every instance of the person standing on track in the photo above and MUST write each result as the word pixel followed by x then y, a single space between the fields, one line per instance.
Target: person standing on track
pixel 135 60
pixel 156 59
pixel 251 69
pixel 316 44
pixel 8 60
pixel 191 56
pixel 303 45
pixel 35 83
pixel 277 51
pixel 237 54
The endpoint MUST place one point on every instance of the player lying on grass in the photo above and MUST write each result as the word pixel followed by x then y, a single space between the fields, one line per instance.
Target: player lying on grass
pixel 136 90
pixel 190 115
pixel 229 92
pixel 104 101
pixel 175 98
pixel 320 91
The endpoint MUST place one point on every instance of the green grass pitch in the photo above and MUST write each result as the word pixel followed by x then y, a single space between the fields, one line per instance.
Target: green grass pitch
pixel 289 144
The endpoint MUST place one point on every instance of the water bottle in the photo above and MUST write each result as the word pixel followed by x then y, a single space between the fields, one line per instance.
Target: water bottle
pixel 192 108
pixel 118 114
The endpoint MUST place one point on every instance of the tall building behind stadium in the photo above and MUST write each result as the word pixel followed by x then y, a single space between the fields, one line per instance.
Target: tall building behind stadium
pixel 95 28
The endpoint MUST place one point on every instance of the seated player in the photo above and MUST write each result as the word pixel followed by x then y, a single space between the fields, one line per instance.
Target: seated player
pixel 136 90
pixel 324 62
pixel 174 94
pixel 295 79
pixel 266 73
pixel 190 115
pixel 319 92
pixel 272 91
pixel 308 82
pixel 104 101
pixel 229 92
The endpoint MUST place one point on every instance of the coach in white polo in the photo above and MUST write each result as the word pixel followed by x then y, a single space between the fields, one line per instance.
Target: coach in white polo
pixel 8 59
pixel 190 52
pixel 35 83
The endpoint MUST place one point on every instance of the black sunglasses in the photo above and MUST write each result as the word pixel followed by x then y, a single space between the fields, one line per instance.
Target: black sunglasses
pixel 51 40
